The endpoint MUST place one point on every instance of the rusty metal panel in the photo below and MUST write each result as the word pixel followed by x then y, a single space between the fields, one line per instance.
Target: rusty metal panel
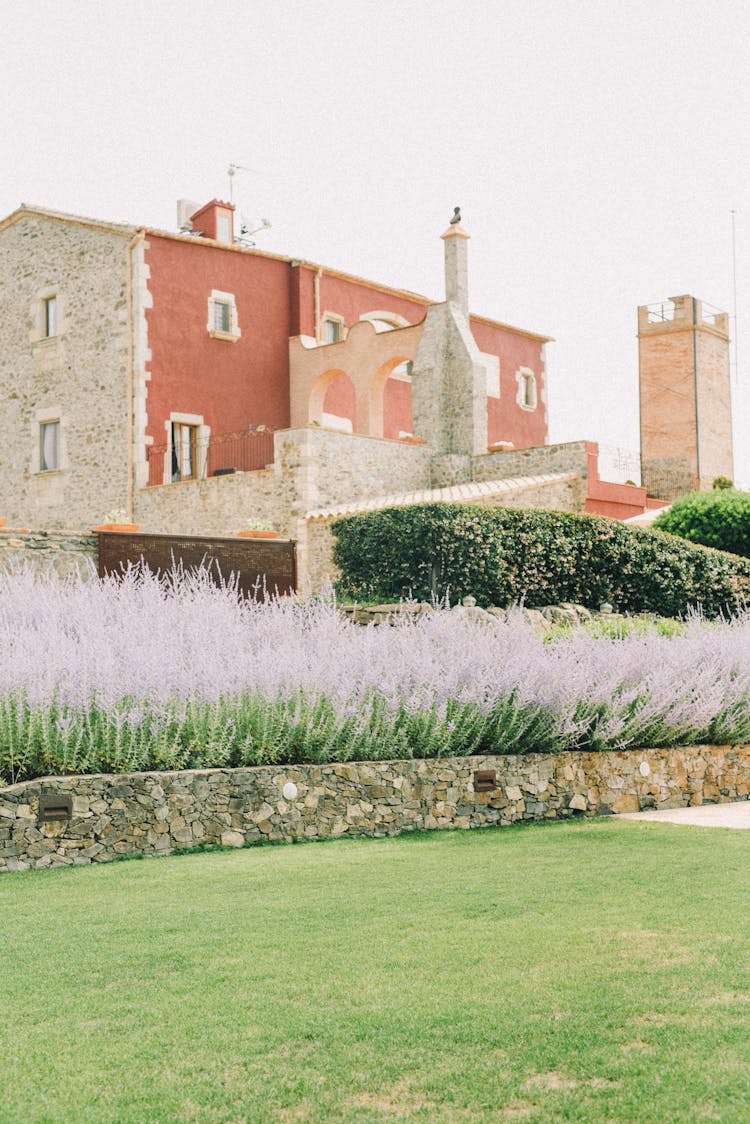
pixel 263 567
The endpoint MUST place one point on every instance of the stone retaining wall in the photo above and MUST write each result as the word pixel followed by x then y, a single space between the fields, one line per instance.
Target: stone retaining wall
pixel 65 552
pixel 157 813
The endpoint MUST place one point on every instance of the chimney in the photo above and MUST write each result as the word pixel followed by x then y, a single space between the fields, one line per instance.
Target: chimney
pixel 456 270
pixel 215 220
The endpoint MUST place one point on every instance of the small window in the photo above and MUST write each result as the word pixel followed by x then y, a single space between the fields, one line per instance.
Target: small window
pixel 50 316
pixel 526 396
pixel 49 446
pixel 222 323
pixel 184 451
pixel 222 316
pixel 332 330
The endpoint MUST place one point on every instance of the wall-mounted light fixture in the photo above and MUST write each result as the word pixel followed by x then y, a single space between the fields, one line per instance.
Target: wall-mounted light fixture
pixel 485 780
pixel 54 807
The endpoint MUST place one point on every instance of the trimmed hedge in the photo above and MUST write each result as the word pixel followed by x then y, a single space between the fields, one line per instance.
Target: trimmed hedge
pixel 502 556
pixel 720 519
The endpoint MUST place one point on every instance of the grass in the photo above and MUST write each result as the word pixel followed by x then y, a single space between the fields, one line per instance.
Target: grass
pixel 589 971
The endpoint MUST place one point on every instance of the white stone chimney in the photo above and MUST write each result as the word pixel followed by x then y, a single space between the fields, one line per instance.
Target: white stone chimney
pixel 456 269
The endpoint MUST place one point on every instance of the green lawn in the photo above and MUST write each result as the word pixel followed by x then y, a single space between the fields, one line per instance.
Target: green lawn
pixel 587 971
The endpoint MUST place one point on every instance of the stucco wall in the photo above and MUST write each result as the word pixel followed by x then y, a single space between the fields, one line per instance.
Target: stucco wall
pixel 230 383
pixel 157 813
pixel 79 376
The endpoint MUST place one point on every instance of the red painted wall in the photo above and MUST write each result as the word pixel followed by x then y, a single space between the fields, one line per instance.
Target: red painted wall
pixel 232 384
pixel 246 382
pixel 397 417
pixel 301 301
pixel 506 421
pixel 352 299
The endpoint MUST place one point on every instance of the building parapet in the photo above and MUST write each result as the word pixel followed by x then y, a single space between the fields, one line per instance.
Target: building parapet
pixel 679 314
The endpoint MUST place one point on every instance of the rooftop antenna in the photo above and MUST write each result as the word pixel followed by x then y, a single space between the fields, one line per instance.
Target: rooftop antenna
pixel 734 285
pixel 232 171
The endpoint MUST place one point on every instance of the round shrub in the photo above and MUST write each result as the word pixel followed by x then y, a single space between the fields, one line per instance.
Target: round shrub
pixel 720 519
pixel 502 556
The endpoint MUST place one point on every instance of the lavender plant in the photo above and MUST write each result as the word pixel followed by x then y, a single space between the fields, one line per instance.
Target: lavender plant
pixel 155 674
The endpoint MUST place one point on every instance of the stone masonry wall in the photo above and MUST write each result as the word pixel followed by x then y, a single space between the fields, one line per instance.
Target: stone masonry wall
pixel 77 376
pixel 219 505
pixel 313 467
pixel 570 456
pixel 63 552
pixel 157 813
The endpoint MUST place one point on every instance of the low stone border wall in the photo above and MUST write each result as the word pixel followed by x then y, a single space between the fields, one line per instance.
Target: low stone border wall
pixel 65 552
pixel 60 821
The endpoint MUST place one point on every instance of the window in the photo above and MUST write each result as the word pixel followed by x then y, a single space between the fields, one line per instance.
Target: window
pixel 49 446
pixel 222 317
pixel 526 396
pixel 332 330
pixel 50 316
pixel 184 451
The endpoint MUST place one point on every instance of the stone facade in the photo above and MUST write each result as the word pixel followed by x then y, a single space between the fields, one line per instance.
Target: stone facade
pixel 157 813
pixel 62 552
pixel 449 385
pixel 569 456
pixel 312 467
pixel 76 374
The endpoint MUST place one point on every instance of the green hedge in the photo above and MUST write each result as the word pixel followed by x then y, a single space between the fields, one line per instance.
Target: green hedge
pixel 502 556
pixel 720 519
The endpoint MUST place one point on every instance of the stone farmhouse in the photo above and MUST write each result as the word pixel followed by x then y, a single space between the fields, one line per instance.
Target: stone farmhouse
pixel 195 384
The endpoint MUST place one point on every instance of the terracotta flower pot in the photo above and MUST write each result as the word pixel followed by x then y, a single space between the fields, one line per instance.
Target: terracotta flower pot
pixel 3 522
pixel 124 527
pixel 257 534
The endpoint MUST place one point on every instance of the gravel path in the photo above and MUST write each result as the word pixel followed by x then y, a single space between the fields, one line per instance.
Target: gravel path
pixel 706 815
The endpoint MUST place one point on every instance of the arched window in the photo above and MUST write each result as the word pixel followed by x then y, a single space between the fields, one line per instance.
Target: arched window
pixel 383 321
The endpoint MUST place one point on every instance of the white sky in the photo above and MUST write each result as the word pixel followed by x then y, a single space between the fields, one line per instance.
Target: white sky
pixel 596 151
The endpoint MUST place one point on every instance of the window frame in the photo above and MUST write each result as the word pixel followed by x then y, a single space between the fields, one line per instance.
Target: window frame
pixel 527 397
pixel 336 321
pixel 178 449
pixel 216 299
pixel 50 318
pixel 53 425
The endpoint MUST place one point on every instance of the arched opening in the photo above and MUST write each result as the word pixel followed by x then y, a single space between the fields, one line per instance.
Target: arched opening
pixel 333 401
pixel 340 404
pixel 393 384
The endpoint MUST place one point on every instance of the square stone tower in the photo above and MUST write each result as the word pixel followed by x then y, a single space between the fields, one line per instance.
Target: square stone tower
pixel 685 397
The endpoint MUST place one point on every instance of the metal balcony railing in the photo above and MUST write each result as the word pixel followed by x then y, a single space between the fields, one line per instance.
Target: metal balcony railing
pixel 195 458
